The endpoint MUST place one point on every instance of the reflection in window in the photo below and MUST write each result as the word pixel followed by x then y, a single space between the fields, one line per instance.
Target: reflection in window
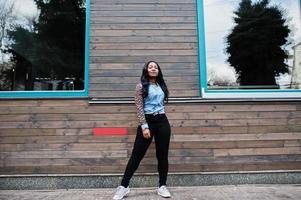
pixel 42 45
pixel 253 44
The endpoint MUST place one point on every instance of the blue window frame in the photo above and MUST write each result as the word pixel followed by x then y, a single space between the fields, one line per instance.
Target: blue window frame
pixel 82 92
pixel 238 92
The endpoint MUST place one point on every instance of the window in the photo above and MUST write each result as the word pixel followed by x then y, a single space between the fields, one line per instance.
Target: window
pixel 250 48
pixel 44 48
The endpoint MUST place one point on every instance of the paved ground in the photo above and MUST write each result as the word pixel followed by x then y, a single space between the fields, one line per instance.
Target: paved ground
pixel 227 192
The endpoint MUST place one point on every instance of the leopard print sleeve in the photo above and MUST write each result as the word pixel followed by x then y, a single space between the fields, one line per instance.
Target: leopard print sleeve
pixel 139 106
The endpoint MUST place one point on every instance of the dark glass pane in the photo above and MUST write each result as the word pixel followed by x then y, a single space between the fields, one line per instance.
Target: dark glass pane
pixel 42 45
pixel 253 44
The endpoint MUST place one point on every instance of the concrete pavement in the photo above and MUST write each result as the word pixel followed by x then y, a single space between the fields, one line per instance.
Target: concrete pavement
pixel 224 192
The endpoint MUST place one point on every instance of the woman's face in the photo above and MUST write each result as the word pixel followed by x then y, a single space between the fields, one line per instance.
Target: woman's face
pixel 153 70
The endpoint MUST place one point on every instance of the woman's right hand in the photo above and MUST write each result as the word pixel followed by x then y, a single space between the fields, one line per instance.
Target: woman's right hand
pixel 146 133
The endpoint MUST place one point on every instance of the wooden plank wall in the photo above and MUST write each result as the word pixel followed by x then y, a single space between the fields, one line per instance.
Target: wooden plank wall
pixel 127 33
pixel 55 136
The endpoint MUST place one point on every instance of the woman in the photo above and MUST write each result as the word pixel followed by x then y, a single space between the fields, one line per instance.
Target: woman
pixel 149 99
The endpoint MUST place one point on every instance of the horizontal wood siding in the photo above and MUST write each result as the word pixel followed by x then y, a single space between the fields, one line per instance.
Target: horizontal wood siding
pixel 126 34
pixel 55 136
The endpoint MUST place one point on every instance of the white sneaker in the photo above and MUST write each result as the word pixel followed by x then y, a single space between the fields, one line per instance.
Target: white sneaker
pixel 163 191
pixel 121 192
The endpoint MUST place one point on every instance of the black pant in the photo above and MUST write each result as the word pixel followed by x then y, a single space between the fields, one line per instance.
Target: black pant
pixel 160 129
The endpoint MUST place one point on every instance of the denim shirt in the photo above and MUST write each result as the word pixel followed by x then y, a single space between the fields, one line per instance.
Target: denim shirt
pixel 154 102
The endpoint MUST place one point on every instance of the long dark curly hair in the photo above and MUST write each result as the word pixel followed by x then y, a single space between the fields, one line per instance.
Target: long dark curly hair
pixel 160 80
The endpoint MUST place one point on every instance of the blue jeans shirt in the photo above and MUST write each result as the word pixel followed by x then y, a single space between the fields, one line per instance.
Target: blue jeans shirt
pixel 154 102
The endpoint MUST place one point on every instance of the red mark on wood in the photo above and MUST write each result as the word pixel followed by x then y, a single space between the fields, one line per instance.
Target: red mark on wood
pixel 110 131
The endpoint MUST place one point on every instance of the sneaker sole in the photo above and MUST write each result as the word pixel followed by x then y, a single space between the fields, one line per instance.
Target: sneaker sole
pixel 169 196
pixel 123 195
